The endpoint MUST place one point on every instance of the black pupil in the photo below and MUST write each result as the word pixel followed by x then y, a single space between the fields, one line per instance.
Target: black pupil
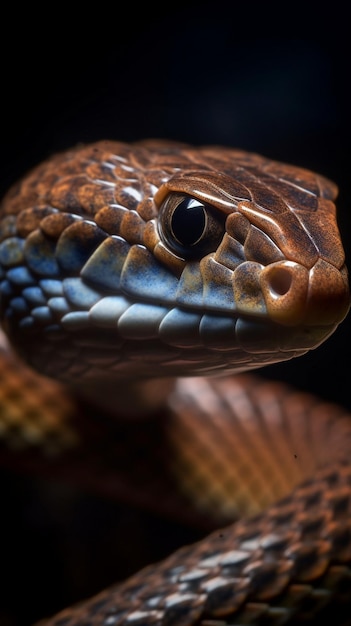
pixel 189 221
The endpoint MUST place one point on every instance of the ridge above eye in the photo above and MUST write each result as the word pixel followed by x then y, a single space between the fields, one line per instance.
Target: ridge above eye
pixel 189 227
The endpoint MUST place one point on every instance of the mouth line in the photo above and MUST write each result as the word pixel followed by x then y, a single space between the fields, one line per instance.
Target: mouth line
pixel 191 327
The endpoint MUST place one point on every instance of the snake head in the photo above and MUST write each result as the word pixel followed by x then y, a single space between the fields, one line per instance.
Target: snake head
pixel 159 259
pixel 281 234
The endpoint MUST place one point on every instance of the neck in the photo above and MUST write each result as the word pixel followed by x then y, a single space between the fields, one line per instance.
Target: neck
pixel 125 399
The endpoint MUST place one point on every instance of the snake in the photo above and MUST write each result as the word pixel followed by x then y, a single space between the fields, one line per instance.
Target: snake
pixel 154 277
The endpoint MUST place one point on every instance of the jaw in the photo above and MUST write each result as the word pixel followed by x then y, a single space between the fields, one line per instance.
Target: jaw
pixel 138 388
pixel 104 363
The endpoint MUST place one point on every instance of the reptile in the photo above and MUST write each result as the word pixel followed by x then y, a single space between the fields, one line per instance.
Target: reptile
pixel 151 278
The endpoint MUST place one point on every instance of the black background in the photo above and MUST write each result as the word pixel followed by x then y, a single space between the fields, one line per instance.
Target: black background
pixel 271 79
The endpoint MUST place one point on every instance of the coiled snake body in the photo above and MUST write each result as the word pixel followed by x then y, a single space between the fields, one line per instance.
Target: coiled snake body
pixel 124 266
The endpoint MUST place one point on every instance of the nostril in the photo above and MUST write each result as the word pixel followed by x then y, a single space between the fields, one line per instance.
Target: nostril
pixel 285 289
pixel 280 279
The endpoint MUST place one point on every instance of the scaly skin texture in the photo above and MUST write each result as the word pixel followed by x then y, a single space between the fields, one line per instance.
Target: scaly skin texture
pixel 109 278
pixel 84 230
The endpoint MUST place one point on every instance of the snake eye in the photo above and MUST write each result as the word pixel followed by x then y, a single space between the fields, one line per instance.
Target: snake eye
pixel 189 227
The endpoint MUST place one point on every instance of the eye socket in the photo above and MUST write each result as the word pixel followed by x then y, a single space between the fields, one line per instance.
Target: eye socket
pixel 189 227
